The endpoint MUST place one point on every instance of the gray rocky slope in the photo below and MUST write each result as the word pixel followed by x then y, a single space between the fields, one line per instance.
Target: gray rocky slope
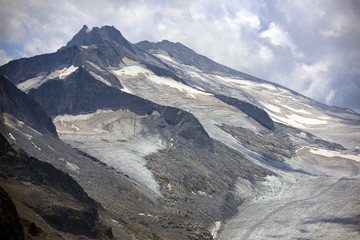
pixel 176 146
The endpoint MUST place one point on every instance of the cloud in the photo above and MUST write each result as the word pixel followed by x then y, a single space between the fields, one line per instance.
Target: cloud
pixel 311 46
pixel 4 58
pixel 276 35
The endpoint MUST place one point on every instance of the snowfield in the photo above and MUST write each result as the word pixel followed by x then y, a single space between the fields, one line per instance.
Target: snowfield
pixel 331 154
pixel 141 72
pixel 41 78
pixel 117 138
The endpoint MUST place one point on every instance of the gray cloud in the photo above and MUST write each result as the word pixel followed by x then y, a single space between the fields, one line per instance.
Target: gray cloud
pixel 310 46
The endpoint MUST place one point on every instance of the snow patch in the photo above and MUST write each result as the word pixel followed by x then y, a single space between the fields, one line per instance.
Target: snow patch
pixel 165 57
pixel 215 228
pixel 136 70
pixel 330 154
pixel 297 120
pixel 67 71
pixel 72 166
pixel 95 66
pixel 12 137
pixel 285 120
pixel 51 148
pixel 124 89
pixel 42 78
pixel 133 70
pixel 101 79
pixel 79 117
pixel 272 107
pixel 298 110
pixel 36 146
pixel 204 194
pixel 305 120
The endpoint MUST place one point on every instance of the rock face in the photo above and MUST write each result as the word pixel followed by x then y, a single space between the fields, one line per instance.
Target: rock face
pixel 10 225
pixel 49 192
pixel 21 106
pixel 254 112
pixel 87 37
pixel 82 93
pixel 26 68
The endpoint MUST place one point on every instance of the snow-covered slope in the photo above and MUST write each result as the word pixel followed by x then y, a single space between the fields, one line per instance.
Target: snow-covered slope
pixel 283 105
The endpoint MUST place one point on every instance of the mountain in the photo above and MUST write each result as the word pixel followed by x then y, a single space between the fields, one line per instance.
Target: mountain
pixel 173 145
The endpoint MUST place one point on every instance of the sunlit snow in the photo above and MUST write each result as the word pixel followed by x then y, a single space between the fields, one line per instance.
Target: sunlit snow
pixel 140 71
pixel 72 166
pixel 329 153
pixel 12 137
pixel 42 78
pixel 272 107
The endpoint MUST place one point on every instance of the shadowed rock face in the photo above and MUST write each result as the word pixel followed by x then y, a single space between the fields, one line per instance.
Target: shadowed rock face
pixel 25 68
pixel 187 126
pixel 252 111
pixel 51 193
pixel 82 93
pixel 22 106
pixel 10 225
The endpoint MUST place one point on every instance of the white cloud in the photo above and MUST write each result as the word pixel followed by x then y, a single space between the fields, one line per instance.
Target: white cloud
pixel 276 35
pixel 244 19
pixel 313 80
pixel 330 96
pixel 265 53
pixel 4 58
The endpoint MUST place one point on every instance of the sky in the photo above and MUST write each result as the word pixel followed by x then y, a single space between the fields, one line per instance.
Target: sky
pixel 310 46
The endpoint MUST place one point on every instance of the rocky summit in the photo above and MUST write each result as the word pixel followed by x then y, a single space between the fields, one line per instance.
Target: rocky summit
pixel 106 139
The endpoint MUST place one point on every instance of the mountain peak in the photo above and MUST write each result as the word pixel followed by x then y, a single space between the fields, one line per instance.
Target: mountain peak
pixel 85 28
pixel 97 35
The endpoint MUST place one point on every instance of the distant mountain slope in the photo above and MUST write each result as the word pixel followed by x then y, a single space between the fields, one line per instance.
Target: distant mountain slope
pixel 187 56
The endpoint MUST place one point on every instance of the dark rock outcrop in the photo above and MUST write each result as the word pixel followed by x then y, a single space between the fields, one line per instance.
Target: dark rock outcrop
pixel 24 108
pixel 25 68
pixel 51 193
pixel 252 111
pixel 10 225
pixel 82 93
pixel 186 126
